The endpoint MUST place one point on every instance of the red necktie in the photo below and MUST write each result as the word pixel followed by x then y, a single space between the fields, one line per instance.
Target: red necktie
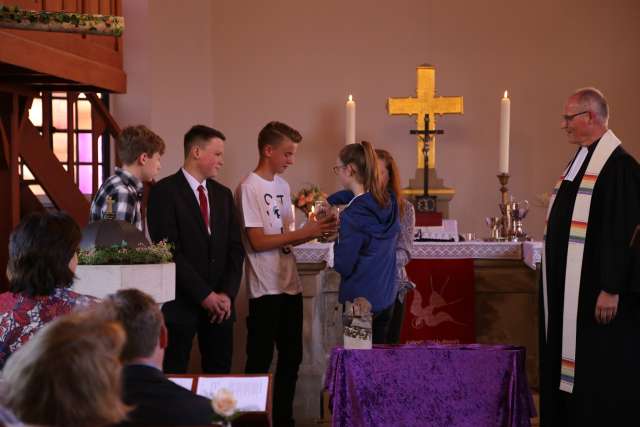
pixel 204 208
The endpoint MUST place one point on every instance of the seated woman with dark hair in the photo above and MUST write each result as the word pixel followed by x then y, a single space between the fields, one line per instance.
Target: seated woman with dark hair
pixel 41 267
pixel 68 374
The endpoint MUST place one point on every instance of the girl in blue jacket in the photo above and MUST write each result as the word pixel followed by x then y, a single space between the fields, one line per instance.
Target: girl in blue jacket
pixel 365 252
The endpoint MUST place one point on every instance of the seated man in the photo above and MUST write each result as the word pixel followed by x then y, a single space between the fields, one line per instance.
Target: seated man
pixel 155 399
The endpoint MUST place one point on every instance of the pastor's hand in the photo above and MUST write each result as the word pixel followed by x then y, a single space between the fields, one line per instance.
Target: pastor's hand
pixel 606 307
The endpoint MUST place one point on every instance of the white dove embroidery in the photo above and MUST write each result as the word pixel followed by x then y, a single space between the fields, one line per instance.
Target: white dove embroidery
pixel 424 315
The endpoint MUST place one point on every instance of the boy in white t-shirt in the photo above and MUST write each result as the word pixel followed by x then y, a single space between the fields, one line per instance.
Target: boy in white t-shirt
pixel 275 291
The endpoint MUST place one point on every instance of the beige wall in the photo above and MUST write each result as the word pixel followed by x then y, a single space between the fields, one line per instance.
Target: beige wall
pixel 294 62
pixel 237 64
pixel 168 60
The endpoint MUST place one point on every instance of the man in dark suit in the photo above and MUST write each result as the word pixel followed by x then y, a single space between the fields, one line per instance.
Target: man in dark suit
pixel 197 216
pixel 155 399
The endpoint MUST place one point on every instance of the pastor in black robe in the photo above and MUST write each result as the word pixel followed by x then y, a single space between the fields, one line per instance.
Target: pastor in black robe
pixel 607 375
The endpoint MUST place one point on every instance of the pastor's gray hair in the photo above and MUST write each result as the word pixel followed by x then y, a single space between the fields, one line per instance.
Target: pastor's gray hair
pixel 593 100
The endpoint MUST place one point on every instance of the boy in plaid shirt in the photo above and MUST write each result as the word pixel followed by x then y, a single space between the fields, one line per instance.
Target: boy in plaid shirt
pixel 139 150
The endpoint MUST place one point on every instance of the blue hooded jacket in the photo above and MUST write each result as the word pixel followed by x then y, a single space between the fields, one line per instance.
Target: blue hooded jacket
pixel 365 252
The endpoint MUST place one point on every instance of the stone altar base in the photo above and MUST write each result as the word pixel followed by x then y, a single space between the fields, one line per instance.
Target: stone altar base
pixel 322 330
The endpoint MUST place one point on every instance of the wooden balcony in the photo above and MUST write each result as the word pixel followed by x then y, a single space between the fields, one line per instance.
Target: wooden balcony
pixel 63 61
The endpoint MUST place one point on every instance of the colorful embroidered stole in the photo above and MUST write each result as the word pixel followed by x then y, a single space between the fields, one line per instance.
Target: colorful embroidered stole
pixel 575 252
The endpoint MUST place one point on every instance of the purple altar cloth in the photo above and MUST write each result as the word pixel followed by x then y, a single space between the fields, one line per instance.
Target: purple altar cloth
pixel 430 385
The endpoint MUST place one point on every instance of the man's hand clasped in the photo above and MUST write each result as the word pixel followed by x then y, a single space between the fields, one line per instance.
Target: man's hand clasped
pixel 218 305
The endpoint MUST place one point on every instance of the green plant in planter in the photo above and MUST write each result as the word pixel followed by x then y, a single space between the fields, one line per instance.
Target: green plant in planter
pixel 158 253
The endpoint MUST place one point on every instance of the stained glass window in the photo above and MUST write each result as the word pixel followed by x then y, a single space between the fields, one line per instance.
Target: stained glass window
pixel 35 113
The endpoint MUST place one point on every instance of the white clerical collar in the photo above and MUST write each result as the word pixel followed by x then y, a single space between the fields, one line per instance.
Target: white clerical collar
pixel 577 164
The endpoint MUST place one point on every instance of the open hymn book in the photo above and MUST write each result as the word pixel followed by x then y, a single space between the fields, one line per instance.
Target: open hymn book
pixel 251 391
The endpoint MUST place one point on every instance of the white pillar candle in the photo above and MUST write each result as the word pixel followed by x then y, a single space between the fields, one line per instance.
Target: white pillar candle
pixel 350 128
pixel 505 117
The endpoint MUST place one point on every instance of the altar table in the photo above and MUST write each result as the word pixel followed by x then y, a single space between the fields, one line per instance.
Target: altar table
pixel 442 307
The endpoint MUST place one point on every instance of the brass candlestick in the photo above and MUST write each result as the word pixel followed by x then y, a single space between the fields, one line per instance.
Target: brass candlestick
pixel 505 208
pixel 504 180
pixel 508 226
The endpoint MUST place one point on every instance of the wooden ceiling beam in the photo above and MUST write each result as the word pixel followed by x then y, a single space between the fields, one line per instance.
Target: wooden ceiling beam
pixel 19 89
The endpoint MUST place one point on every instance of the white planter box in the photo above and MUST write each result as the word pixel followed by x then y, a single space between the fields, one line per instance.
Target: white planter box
pixel 157 280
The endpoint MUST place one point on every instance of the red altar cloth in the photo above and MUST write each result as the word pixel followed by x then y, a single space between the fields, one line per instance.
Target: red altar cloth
pixel 441 308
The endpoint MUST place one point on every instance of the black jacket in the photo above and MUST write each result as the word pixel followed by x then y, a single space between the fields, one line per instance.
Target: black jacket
pixel 160 402
pixel 204 262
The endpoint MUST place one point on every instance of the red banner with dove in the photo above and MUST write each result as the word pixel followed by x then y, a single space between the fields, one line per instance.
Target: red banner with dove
pixel 441 308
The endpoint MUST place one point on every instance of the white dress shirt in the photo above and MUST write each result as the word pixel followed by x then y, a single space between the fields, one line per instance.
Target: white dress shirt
pixel 194 184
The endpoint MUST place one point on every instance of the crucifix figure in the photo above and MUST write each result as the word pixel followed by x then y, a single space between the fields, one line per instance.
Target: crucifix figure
pixel 425 104
pixel 425 202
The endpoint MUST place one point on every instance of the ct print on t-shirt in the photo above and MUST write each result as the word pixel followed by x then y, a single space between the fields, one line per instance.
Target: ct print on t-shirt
pixel 274 211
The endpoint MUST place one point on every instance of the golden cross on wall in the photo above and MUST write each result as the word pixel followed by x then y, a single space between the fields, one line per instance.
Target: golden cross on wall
pixel 425 102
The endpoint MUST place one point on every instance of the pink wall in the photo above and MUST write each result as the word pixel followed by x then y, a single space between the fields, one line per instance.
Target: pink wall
pixel 237 64
pixel 290 61
pixel 168 60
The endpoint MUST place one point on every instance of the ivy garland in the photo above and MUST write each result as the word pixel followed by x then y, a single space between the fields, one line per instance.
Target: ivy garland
pixel 15 17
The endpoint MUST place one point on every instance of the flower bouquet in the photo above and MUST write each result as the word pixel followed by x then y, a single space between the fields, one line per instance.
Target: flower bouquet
pixel 306 198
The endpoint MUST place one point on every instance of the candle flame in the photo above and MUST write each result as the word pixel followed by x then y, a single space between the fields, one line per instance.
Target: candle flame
pixel 350 98
pixel 506 94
